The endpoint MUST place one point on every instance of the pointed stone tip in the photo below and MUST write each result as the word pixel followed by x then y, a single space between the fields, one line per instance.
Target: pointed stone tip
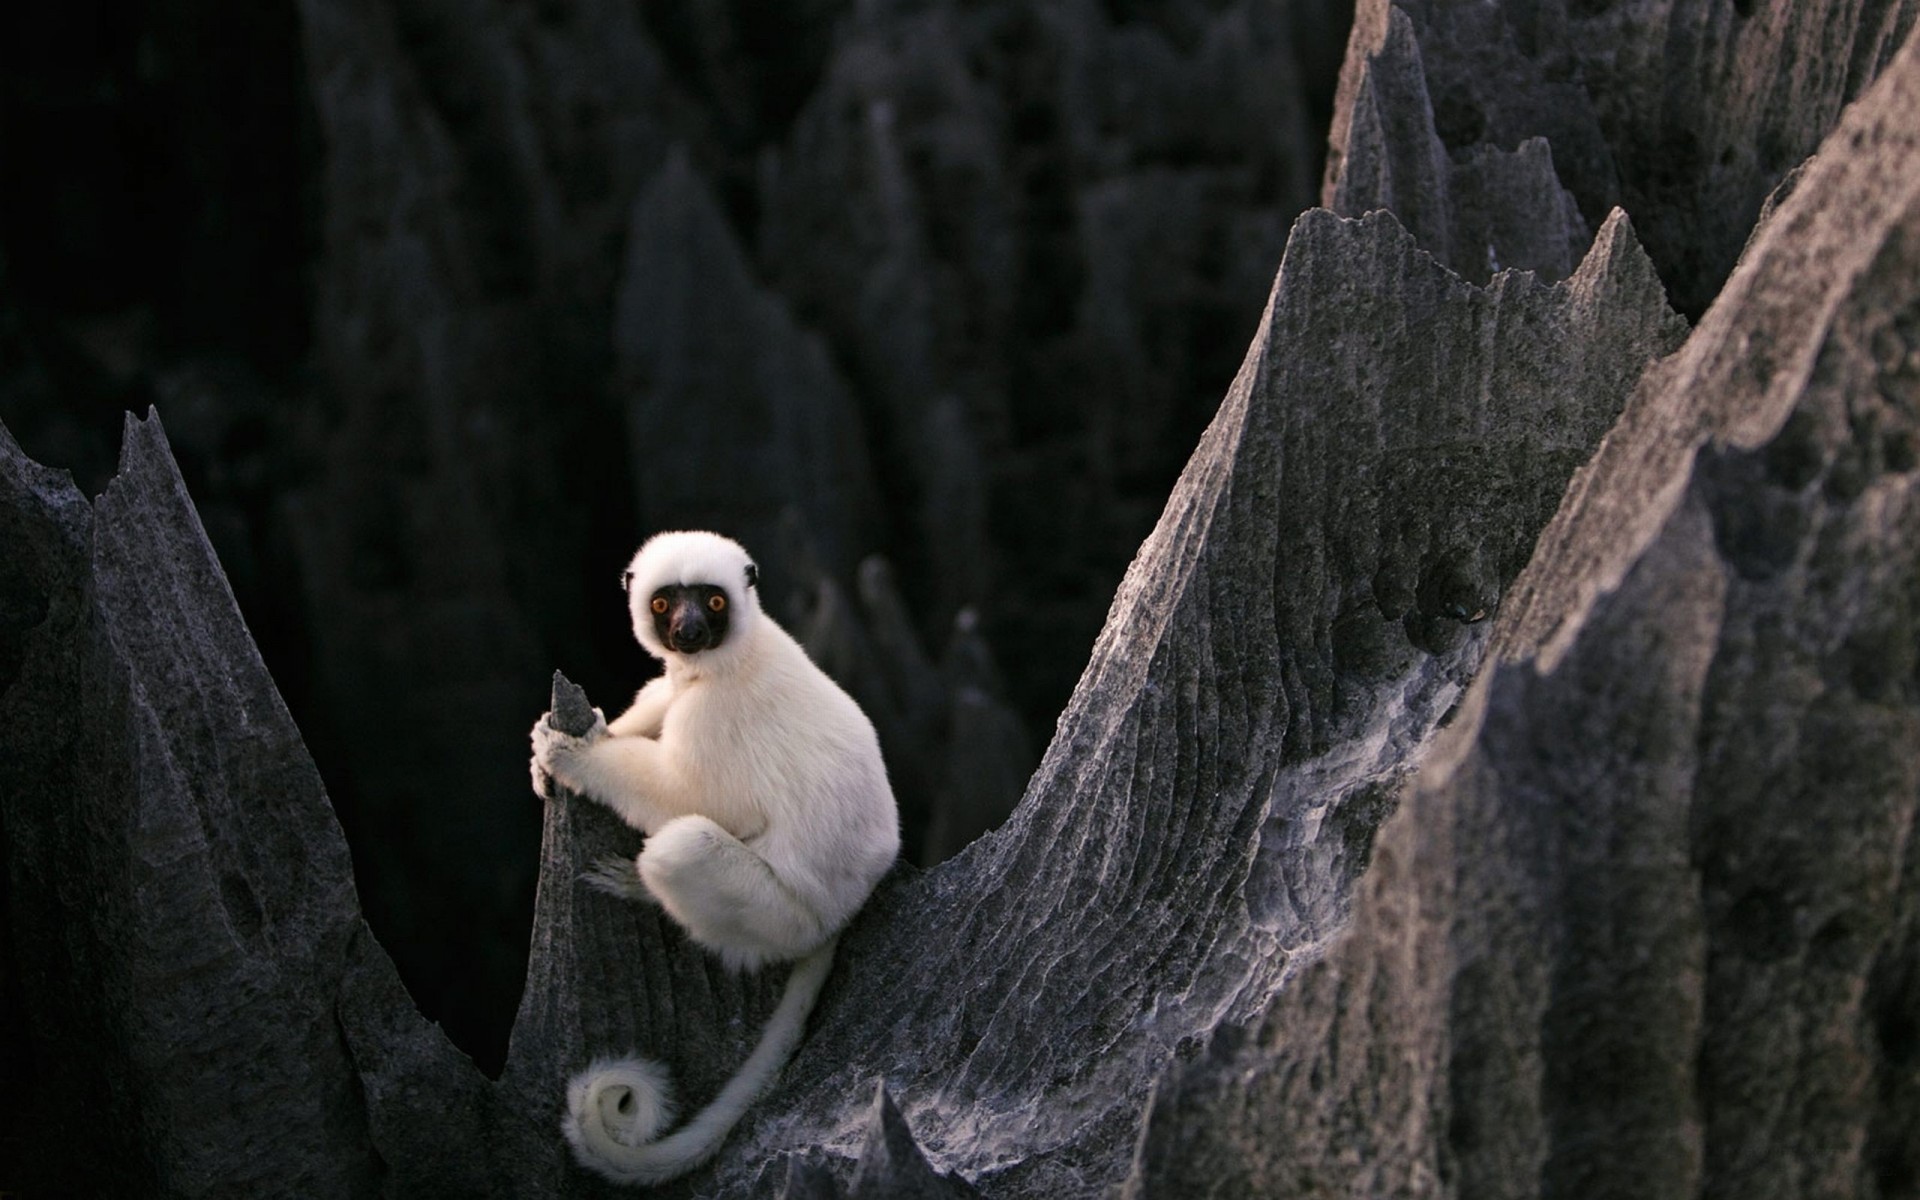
pixel 890 1148
pixel 876 580
pixel 572 713
pixel 888 1124
pixel 146 460
pixel 1612 244
pixel 1316 217
pixel 679 179
pixel 1399 34
pixel 1312 230
pixel 809 1181
pixel 140 437
pixel 1616 231
pixel 891 1163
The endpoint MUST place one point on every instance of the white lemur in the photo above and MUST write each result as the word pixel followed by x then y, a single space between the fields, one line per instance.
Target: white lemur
pixel 768 816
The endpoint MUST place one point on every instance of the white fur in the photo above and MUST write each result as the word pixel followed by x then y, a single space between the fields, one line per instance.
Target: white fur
pixel 769 820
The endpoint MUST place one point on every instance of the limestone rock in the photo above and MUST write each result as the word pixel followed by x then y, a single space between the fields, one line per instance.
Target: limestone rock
pixel 1496 774
pixel 1486 210
pixel 1237 728
pixel 1282 648
pixel 891 1165
pixel 1685 114
pixel 180 903
pixel 1646 924
pixel 715 370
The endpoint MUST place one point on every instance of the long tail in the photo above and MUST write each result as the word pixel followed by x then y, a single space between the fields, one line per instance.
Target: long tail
pixel 616 1108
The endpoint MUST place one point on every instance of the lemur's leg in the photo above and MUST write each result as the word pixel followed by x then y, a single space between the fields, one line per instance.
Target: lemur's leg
pixel 725 895
pixel 618 877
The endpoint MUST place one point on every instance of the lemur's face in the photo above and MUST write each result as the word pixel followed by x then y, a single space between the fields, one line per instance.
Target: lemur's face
pixel 691 617
pixel 691 593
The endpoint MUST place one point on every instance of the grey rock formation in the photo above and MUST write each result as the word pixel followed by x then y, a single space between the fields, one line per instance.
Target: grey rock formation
pixel 570 712
pixel 1488 210
pixel 1037 234
pixel 988 755
pixel 957 754
pixel 1322 672
pixel 715 373
pixel 891 1165
pixel 1646 925
pixel 179 900
pixel 1280 649
pixel 1684 112
pixel 1497 775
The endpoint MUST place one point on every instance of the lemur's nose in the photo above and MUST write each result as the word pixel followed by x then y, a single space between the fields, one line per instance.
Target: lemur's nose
pixel 690 631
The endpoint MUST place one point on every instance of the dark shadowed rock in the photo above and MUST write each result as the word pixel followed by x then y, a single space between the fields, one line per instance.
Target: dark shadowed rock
pixel 452 261
pixel 957 754
pixel 1496 776
pixel 715 371
pixel 1236 730
pixel 891 1165
pixel 1646 925
pixel 988 756
pixel 402 261
pixel 406 1068
pixel 1684 114
pixel 1486 210
pixel 181 906
pixel 1038 236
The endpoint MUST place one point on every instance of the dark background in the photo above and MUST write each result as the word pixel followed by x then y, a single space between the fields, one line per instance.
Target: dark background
pixel 447 305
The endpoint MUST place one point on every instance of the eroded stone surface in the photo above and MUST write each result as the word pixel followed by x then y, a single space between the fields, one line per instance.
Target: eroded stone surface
pixel 1646 923
pixel 180 901
pixel 1663 847
pixel 1686 113
pixel 1281 647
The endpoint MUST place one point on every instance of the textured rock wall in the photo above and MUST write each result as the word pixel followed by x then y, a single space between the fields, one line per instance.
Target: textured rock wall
pixel 1280 649
pixel 179 899
pixel 448 305
pixel 1496 775
pixel 1224 751
pixel 955 285
pixel 1645 925
pixel 1684 112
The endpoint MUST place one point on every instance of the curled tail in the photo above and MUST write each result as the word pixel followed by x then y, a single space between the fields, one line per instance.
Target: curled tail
pixel 616 1108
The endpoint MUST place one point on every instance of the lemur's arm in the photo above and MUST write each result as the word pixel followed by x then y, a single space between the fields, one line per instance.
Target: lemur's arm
pixel 648 712
pixel 627 774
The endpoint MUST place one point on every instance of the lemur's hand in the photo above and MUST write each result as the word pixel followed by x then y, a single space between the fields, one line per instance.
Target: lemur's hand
pixel 556 754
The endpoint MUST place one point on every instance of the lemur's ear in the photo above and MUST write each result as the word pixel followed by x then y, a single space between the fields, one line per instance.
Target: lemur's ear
pixel 626 581
pixel 753 575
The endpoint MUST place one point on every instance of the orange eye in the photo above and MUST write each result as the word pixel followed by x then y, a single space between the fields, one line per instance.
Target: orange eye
pixel 659 604
pixel 716 602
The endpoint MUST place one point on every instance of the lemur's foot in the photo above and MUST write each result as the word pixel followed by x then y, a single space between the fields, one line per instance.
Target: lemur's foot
pixel 616 877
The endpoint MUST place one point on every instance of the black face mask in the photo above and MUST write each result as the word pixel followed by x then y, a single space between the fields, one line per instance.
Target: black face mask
pixel 690 618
